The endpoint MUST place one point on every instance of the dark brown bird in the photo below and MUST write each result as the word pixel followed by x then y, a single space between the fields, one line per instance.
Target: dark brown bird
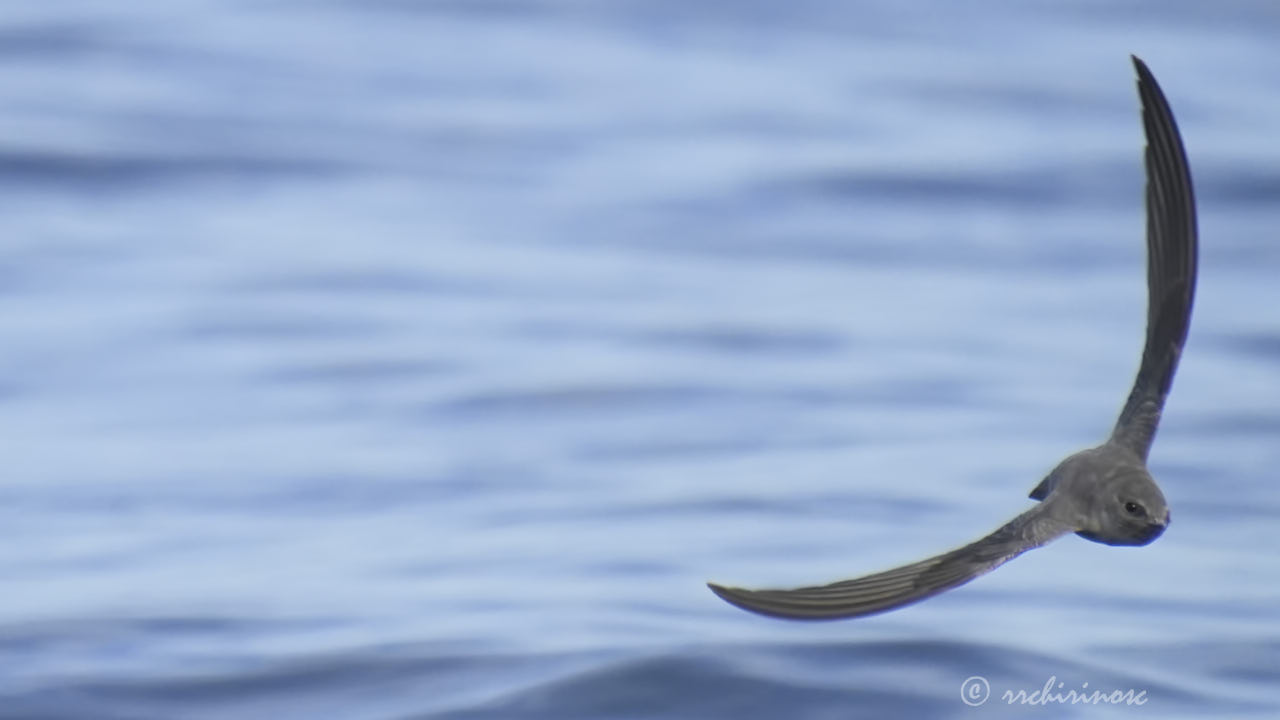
pixel 1104 494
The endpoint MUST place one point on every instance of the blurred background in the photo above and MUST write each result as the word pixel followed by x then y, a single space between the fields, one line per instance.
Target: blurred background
pixel 395 359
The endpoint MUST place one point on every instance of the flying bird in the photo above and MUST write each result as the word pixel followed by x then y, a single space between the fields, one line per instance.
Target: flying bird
pixel 1104 494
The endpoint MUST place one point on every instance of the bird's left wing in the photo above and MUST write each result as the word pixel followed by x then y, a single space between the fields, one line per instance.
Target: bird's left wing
pixel 1171 267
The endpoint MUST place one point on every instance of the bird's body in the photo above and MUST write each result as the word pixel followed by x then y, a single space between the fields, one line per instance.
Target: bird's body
pixel 1104 494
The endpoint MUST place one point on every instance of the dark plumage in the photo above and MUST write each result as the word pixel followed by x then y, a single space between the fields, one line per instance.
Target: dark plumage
pixel 1104 494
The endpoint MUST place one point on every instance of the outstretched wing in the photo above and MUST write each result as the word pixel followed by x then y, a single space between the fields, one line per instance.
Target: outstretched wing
pixel 905 585
pixel 1171 267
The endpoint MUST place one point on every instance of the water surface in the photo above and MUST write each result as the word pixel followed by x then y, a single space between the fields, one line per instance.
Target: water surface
pixel 398 360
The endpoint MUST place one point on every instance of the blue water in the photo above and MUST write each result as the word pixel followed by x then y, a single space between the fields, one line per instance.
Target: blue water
pixel 422 360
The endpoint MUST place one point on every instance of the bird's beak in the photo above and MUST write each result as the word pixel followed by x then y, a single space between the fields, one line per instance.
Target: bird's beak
pixel 1155 529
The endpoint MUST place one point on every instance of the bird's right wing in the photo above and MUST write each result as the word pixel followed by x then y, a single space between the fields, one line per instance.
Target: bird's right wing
pixel 905 585
pixel 1171 267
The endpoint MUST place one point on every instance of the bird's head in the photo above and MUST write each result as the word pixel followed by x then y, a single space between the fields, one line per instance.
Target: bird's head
pixel 1126 508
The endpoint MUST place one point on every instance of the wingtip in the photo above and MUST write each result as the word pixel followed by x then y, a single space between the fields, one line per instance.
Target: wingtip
pixel 737 597
pixel 1144 72
pixel 729 595
pixel 720 590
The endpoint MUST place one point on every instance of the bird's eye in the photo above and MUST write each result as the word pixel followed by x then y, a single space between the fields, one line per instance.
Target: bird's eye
pixel 1134 508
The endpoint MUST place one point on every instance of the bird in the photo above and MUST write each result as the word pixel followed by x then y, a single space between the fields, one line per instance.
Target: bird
pixel 1106 493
